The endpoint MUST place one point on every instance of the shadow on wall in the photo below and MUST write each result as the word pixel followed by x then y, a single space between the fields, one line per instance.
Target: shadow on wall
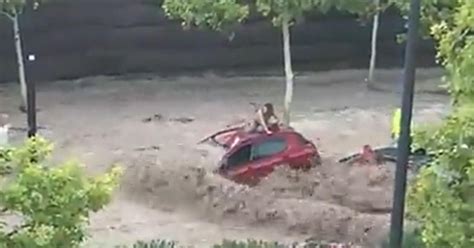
pixel 75 39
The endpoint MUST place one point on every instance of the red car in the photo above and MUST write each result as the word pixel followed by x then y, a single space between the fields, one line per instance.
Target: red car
pixel 250 157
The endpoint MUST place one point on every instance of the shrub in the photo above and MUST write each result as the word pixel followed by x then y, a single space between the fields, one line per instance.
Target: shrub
pixel 441 199
pixel 54 202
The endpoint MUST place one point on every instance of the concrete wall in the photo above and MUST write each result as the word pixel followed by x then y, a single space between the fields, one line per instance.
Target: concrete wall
pixel 92 37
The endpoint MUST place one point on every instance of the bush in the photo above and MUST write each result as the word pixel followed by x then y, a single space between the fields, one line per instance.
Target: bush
pixel 441 199
pixel 5 159
pixel 54 202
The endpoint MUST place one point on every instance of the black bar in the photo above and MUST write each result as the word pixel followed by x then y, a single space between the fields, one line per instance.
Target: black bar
pixel 396 227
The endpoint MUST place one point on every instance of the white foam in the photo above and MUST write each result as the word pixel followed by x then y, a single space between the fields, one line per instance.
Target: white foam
pixel 4 135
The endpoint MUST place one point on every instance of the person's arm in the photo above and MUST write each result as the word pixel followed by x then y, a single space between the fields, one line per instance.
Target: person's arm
pixel 262 121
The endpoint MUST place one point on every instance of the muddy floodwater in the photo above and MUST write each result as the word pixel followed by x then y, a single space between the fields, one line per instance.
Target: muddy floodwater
pixel 151 126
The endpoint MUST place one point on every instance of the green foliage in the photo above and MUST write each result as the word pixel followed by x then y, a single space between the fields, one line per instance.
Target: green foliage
pixel 455 38
pixel 281 11
pixel 53 201
pixel 12 8
pixel 432 11
pixel 455 132
pixel 450 23
pixel 364 9
pixel 5 159
pixel 289 10
pixel 442 197
pixel 214 14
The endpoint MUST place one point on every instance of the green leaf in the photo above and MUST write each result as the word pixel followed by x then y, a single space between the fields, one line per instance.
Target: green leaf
pixel 286 10
pixel 213 14
pixel 54 200
pixel 13 8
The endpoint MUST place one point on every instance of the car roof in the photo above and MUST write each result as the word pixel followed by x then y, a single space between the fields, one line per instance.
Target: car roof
pixel 251 138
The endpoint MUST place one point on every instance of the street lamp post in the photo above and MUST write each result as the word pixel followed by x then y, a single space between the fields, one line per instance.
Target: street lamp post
pixel 31 101
pixel 30 84
pixel 396 227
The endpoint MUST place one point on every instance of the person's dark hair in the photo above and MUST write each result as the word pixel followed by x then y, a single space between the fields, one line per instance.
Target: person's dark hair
pixel 269 108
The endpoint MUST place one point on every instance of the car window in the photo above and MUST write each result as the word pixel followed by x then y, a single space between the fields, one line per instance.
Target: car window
pixel 239 157
pixel 268 148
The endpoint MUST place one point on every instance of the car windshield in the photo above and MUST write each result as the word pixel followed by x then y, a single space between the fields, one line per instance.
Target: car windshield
pixel 268 148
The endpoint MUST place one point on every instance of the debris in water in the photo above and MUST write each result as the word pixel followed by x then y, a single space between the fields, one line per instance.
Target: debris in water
pixel 183 120
pixel 147 148
pixel 160 117
pixel 155 117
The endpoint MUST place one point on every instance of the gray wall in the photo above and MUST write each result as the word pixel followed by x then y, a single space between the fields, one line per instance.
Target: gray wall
pixel 92 37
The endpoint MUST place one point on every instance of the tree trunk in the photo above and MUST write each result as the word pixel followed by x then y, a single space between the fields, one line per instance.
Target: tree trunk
pixel 20 60
pixel 373 53
pixel 288 72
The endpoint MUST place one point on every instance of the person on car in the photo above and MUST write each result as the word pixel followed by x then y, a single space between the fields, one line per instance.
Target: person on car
pixel 264 117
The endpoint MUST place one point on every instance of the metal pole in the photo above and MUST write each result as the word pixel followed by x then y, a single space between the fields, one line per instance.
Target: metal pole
pixel 396 228
pixel 31 101
pixel 30 84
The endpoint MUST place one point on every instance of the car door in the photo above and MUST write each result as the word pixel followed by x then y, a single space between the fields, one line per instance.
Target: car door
pixel 236 165
pixel 267 154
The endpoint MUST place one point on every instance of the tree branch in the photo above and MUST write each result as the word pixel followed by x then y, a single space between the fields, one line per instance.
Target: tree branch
pixel 7 15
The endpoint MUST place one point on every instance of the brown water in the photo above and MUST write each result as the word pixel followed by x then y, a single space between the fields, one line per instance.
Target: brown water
pixel 169 190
